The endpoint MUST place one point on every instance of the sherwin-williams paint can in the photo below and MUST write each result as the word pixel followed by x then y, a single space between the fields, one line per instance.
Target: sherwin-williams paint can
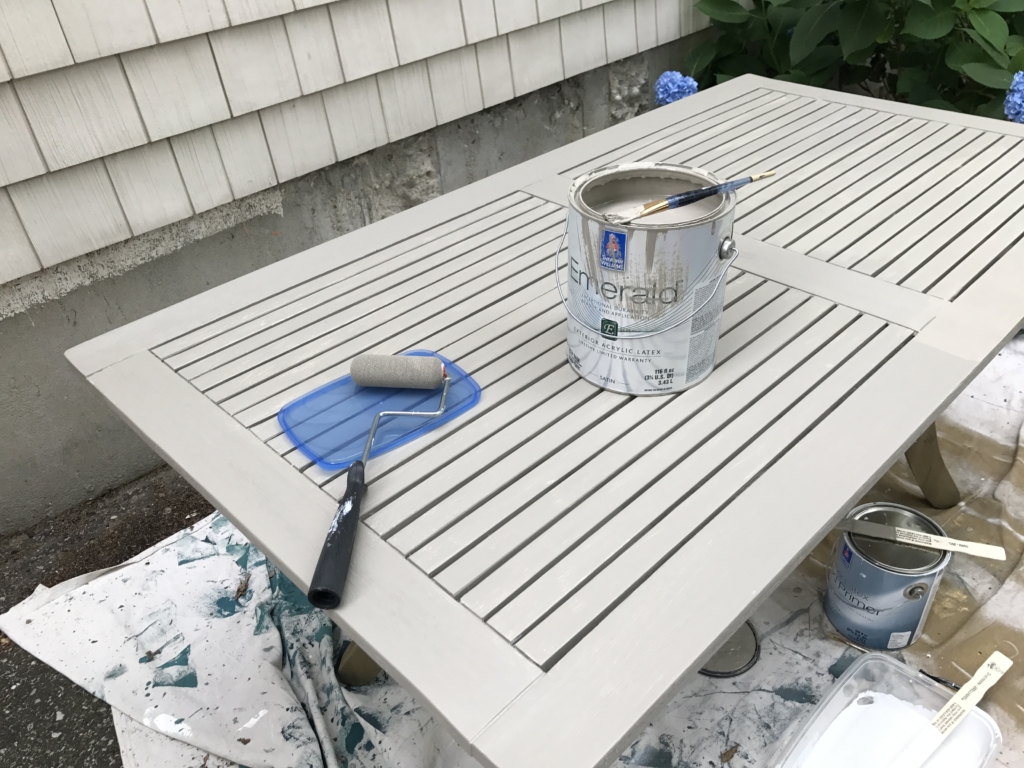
pixel 644 299
pixel 879 592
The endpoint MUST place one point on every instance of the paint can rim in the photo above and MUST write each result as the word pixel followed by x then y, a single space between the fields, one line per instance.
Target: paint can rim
pixel 941 559
pixel 686 172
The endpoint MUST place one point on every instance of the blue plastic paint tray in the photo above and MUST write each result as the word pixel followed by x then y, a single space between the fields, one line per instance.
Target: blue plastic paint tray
pixel 330 424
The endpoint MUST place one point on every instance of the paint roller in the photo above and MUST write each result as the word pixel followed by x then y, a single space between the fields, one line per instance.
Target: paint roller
pixel 392 371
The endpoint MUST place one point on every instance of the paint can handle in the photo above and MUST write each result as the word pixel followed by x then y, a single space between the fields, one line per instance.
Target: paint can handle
pixel 727 253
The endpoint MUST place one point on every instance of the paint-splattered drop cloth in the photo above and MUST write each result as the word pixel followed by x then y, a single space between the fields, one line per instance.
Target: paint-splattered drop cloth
pixel 199 638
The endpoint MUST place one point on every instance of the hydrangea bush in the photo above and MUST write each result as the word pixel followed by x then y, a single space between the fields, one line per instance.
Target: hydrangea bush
pixel 964 55
pixel 673 86
pixel 1013 105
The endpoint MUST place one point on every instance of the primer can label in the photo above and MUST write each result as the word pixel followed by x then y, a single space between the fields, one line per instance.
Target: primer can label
pixel 879 606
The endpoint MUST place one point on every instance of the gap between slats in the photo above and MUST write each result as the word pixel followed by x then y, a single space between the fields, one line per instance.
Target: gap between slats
pixel 339 307
pixel 550 640
pixel 390 518
pixel 244 314
pixel 468 516
pixel 248 384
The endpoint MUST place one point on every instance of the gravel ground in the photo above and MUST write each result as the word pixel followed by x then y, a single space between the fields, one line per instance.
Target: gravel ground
pixel 48 720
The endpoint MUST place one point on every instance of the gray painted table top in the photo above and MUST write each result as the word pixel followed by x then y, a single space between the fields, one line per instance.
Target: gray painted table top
pixel 547 568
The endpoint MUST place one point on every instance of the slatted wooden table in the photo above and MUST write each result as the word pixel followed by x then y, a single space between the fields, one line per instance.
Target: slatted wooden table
pixel 544 571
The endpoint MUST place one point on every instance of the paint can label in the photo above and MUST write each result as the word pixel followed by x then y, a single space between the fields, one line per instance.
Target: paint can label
pixel 899 640
pixel 664 362
pixel 645 299
pixel 613 250
pixel 873 606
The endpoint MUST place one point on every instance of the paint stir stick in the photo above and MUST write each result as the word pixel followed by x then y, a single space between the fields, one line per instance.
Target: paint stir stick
pixel 920 539
pixel 957 708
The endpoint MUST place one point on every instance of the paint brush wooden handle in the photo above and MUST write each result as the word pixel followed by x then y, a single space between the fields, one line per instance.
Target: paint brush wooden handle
pixel 685 198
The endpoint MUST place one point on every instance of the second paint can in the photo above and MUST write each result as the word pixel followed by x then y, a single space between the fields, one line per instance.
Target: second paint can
pixel 645 298
pixel 879 592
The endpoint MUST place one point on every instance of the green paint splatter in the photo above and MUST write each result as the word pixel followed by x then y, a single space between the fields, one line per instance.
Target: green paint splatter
pixel 116 672
pixel 354 736
pixel 176 673
pixel 227 606
pixel 181 660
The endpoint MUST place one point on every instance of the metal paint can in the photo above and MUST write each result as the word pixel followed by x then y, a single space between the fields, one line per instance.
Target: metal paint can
pixel 879 592
pixel 645 299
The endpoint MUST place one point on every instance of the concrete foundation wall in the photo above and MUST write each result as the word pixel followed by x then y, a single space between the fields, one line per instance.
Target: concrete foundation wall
pixel 60 443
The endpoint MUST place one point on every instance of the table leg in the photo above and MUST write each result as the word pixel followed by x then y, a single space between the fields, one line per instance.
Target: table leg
pixel 930 470
pixel 356 667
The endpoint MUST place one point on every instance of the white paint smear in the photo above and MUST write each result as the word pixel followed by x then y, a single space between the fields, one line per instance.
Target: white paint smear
pixel 254 720
pixel 169 724
pixel 876 727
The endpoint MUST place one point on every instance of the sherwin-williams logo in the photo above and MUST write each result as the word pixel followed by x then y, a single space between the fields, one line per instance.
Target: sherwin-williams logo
pixel 613 250
pixel 847 554
pixel 609 328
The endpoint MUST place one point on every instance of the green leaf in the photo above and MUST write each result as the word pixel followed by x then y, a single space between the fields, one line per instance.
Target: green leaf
pixel 723 10
pixel 820 58
pixel 1014 45
pixel 991 26
pixel 993 109
pixel 923 92
pixel 741 64
pixel 1017 62
pixel 795 3
pixel 927 23
pixel 998 57
pixel 821 79
pixel 1005 6
pixel 720 78
pixel 817 22
pixel 888 33
pixel 860 57
pixel 700 58
pixel 926 2
pixel 990 76
pixel 783 18
pixel 940 104
pixel 1018 23
pixel 777 48
pixel 960 53
pixel 860 24
pixel 909 79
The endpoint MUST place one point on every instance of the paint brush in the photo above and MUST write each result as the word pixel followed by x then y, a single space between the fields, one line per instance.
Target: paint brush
pixel 684 198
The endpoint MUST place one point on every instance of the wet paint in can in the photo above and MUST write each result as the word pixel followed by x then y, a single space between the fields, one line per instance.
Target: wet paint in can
pixel 879 592
pixel 645 299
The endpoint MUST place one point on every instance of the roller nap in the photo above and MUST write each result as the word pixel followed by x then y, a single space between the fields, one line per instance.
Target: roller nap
pixel 403 372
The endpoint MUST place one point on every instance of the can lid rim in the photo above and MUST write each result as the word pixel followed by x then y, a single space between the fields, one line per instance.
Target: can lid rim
pixel 580 182
pixel 941 558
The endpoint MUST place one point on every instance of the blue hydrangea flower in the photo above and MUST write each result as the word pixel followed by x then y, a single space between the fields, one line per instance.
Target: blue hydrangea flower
pixel 1014 104
pixel 673 86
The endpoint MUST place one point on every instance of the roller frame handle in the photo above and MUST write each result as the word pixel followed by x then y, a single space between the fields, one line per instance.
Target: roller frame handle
pixel 332 568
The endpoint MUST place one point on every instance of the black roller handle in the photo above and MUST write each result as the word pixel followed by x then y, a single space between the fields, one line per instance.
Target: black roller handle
pixel 332 568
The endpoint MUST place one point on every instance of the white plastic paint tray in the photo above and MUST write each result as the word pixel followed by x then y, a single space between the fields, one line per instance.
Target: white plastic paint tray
pixel 873 711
